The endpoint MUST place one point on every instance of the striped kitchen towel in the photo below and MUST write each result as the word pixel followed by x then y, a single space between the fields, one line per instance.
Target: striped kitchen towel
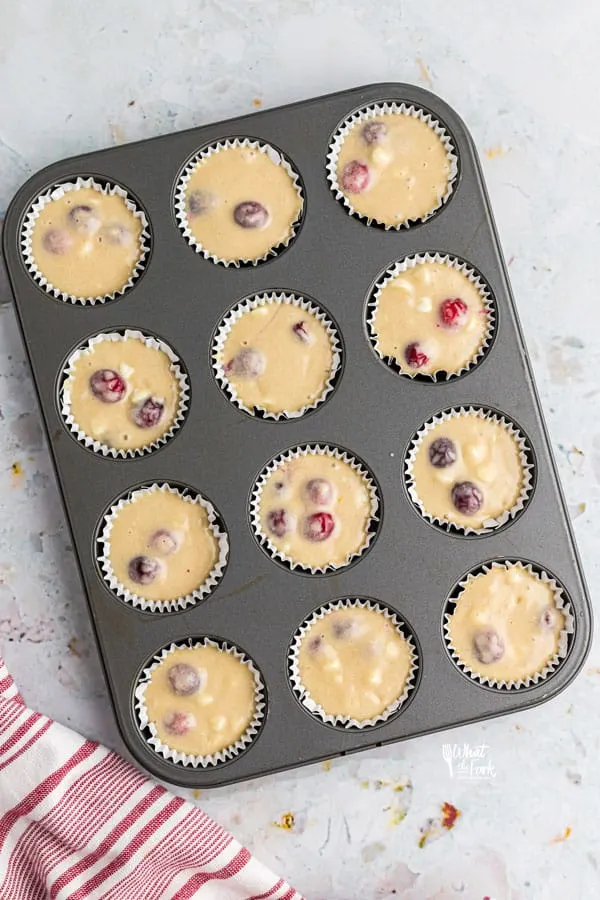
pixel 77 821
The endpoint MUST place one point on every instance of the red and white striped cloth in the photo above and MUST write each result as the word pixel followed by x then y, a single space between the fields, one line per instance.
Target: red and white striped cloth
pixel 77 821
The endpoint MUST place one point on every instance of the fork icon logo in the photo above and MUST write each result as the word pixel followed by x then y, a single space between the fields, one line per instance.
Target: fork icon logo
pixel 469 762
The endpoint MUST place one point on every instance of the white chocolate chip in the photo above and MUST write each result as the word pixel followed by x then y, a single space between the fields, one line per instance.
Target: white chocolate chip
pixel 424 304
pixel 445 476
pixel 332 665
pixel 392 650
pixel 138 396
pixel 425 275
pixel 487 473
pixel 372 697
pixel 514 576
pixel 218 723
pixel 476 453
pixel 376 677
pixel 205 699
pixel 381 157
pixel 403 284
pixel 125 370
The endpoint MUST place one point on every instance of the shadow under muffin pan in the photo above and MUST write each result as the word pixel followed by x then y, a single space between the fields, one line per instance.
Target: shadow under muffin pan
pixel 411 567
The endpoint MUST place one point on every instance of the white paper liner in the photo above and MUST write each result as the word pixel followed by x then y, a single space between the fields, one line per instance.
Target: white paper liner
pixel 276 156
pixel 98 446
pixel 303 694
pixel 563 640
pixel 245 306
pixel 227 753
pixel 295 453
pixel 162 606
pixel 55 193
pixel 410 262
pixel 382 109
pixel 525 457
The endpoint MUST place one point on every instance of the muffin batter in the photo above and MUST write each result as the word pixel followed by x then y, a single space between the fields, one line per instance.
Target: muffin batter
pixel 354 663
pixel 86 243
pixel 123 393
pixel 240 204
pixel 467 470
pixel 393 168
pixel 316 510
pixel 506 624
pixel 201 700
pixel 268 343
pixel 430 318
pixel 161 545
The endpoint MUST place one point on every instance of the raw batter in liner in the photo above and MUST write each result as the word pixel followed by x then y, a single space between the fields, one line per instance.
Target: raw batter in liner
pixel 268 344
pixel 354 663
pixel 201 700
pixel 240 204
pixel 506 624
pixel 161 545
pixel 123 393
pixel 316 510
pixel 430 318
pixel 467 470
pixel 87 243
pixel 393 168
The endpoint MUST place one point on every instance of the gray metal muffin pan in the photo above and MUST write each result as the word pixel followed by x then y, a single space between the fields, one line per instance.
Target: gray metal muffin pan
pixel 259 604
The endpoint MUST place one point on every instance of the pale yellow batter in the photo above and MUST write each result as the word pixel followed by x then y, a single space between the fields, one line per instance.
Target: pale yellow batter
pixel 403 172
pixel 354 663
pixel 211 718
pixel 145 373
pixel 316 510
pixel 506 624
pixel 294 363
pixel 217 187
pixel 86 243
pixel 483 454
pixel 173 538
pixel 436 307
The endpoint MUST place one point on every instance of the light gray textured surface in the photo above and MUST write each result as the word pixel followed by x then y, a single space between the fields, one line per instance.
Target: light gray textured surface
pixel 524 77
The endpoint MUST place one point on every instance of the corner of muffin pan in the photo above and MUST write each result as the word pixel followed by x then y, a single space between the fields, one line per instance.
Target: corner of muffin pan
pixel 474 275
pixel 449 605
pixel 104 185
pixel 379 107
pixel 106 575
pixel 179 214
pixel 528 460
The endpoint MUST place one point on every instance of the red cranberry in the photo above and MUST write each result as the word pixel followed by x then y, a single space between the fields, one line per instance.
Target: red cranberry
pixel 374 132
pixel 355 177
pixel 247 363
pixel 315 645
pixel 164 542
pixel 200 202
pixel 442 452
pixel 143 569
pixel 185 679
pixel 302 332
pixel 548 619
pixel 453 313
pixel 318 526
pixel 319 491
pixel 415 356
pixel 251 214
pixel 280 522
pixel 84 219
pixel 179 723
pixel 344 628
pixel 116 234
pixel 149 413
pixel 467 498
pixel 57 241
pixel 488 646
pixel 107 385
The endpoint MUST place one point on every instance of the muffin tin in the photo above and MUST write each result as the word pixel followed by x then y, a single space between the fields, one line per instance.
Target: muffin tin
pixel 411 567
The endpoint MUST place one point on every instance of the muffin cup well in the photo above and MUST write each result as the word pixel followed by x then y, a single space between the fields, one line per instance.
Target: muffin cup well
pixel 216 526
pixel 251 303
pixel 382 109
pixel 65 394
pixel 525 457
pixel 346 456
pixel 410 262
pixel 227 753
pixel 303 695
pixel 54 193
pixel 560 600
pixel 276 156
